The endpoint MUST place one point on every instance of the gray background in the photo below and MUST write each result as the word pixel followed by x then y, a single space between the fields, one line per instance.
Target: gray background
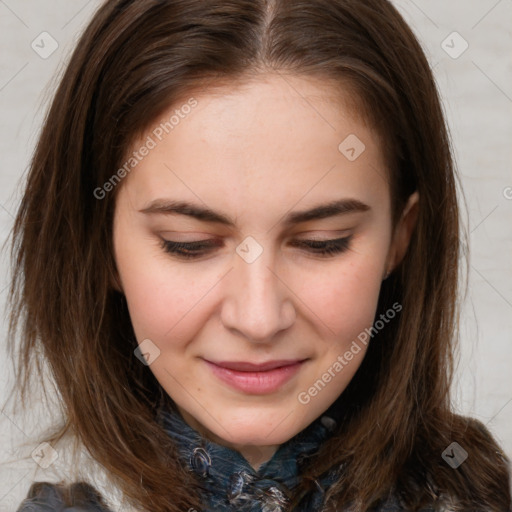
pixel 476 87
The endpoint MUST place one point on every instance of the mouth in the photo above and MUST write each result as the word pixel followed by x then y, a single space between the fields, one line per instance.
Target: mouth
pixel 244 366
pixel 254 378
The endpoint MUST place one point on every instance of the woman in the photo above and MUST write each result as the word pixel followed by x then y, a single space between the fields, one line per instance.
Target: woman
pixel 238 252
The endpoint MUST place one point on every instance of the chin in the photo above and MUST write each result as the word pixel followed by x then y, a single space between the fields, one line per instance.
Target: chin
pixel 271 427
pixel 253 436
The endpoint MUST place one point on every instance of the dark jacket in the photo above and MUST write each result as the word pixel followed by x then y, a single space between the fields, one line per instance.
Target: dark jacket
pixel 230 483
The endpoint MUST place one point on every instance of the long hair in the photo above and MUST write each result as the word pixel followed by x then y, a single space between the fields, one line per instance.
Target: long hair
pixel 134 60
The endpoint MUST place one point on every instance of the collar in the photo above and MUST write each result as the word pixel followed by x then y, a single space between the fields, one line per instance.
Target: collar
pixel 231 483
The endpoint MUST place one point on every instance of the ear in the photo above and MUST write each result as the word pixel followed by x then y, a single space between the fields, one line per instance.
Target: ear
pixel 402 233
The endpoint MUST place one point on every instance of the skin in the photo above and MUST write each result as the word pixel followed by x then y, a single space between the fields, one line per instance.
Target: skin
pixel 257 152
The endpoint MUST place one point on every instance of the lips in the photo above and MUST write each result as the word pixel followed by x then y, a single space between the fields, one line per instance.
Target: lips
pixel 255 379
pixel 243 366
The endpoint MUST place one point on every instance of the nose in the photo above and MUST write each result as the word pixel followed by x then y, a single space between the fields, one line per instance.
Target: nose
pixel 257 304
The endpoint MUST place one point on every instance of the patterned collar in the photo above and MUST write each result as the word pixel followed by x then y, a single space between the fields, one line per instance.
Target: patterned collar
pixel 231 483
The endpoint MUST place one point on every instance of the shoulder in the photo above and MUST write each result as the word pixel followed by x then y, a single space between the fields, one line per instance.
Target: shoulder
pixel 77 497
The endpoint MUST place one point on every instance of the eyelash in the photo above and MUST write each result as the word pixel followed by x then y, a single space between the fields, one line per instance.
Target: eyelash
pixel 324 248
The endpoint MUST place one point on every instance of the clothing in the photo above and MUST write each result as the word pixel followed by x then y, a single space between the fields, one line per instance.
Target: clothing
pixel 46 497
pixel 230 482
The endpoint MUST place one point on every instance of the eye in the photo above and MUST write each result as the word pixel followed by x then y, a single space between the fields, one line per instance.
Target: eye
pixel 197 249
pixel 325 247
pixel 189 250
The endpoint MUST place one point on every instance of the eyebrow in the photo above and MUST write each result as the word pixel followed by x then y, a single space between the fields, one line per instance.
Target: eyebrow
pixel 323 211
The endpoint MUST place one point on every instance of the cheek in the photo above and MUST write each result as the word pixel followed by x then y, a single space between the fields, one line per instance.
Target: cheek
pixel 160 297
pixel 163 303
pixel 344 300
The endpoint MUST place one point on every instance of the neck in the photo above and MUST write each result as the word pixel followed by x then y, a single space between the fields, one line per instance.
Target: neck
pixel 255 455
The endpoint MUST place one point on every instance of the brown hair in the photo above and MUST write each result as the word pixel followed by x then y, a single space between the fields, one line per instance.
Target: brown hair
pixel 134 60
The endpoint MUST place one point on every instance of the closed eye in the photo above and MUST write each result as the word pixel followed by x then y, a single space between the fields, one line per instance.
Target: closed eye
pixel 197 249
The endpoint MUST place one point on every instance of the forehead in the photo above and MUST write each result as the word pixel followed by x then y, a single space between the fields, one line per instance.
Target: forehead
pixel 276 137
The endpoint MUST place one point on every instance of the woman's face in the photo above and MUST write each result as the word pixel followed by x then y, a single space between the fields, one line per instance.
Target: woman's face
pixel 247 172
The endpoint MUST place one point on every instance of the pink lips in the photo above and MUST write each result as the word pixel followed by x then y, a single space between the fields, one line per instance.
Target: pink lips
pixel 255 378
